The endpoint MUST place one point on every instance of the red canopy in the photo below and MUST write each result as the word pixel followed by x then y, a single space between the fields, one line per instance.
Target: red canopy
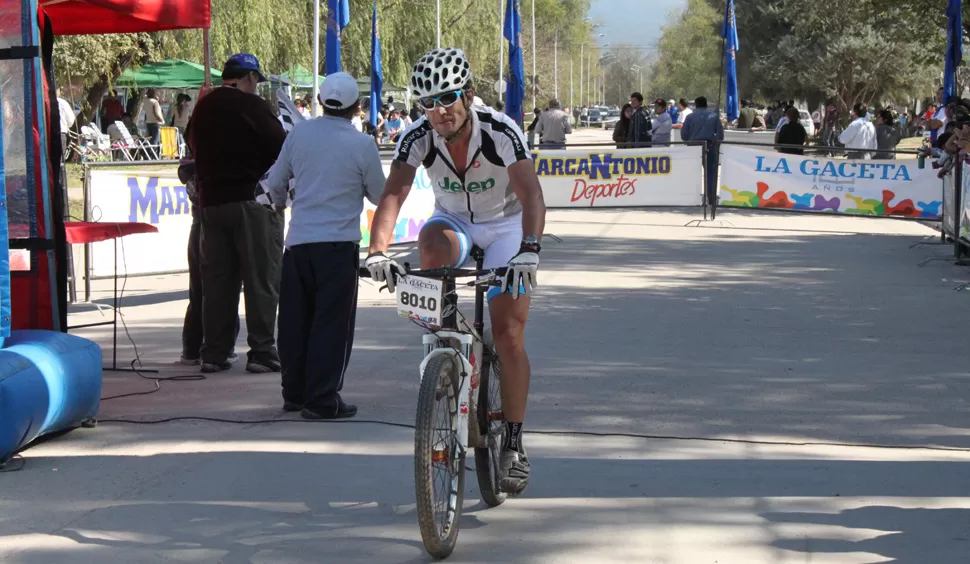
pixel 81 17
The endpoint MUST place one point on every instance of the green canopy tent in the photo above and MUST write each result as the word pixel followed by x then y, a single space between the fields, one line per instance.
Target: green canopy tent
pixel 170 73
pixel 301 78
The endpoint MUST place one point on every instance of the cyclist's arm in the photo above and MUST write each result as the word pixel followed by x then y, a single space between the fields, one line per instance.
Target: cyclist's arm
pixel 525 183
pixel 396 190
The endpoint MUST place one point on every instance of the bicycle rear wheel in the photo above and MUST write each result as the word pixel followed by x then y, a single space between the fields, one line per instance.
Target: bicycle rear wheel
pixel 491 425
pixel 439 466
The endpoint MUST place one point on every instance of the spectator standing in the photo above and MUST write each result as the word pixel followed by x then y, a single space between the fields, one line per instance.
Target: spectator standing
pixel 395 126
pixel 553 127
pixel 792 133
pixel 860 136
pixel 673 111
pixel 532 128
pixel 334 169
pixel 622 128
pixel 192 329
pixel 179 117
pixel 888 135
pixel 661 125
pixel 235 138
pixel 830 124
pixel 415 113
pixel 153 116
pixel 747 116
pixel 705 125
pixel 66 111
pixel 640 125
pixel 682 113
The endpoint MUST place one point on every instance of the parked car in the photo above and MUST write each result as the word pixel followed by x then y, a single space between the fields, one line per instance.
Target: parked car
pixel 593 117
pixel 805 119
pixel 612 116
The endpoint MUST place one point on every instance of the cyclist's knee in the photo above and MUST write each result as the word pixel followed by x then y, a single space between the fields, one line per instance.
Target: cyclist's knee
pixel 438 246
pixel 509 333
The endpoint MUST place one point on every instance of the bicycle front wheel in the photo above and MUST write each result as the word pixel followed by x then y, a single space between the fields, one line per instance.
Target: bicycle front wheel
pixel 439 465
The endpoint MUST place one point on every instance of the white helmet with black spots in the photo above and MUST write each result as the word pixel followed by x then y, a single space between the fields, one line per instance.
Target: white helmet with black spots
pixel 440 71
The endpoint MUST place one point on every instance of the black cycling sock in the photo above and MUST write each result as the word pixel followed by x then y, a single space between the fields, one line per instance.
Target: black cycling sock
pixel 513 436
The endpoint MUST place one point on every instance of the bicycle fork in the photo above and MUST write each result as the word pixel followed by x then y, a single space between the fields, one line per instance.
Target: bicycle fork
pixel 468 356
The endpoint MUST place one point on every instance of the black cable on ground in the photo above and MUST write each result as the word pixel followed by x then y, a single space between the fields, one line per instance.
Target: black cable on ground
pixel 157 380
pixel 542 432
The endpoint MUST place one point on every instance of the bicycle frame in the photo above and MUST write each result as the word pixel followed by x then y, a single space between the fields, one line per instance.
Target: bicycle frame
pixel 468 350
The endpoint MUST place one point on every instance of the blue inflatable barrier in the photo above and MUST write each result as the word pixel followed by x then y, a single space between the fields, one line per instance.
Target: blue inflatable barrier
pixel 49 382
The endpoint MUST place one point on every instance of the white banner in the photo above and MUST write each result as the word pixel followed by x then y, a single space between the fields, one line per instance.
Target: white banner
pixel 951 214
pixel 658 176
pixel 159 198
pixel 762 178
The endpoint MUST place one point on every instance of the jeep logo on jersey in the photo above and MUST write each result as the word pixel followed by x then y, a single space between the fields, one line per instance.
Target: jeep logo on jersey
pixel 447 185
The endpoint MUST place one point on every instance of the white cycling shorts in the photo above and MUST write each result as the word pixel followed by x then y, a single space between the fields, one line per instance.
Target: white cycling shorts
pixel 500 239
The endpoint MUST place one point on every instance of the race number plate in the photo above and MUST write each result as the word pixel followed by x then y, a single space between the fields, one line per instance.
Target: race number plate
pixel 420 300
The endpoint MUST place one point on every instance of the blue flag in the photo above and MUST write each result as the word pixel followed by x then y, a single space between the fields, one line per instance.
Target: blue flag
pixel 338 17
pixel 515 87
pixel 731 47
pixel 954 49
pixel 376 72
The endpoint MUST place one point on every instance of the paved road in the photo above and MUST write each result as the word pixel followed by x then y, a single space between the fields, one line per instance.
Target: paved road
pixel 728 347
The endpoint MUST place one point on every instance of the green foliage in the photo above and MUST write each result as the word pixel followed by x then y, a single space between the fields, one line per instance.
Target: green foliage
pixel 847 50
pixel 280 34
pixel 689 58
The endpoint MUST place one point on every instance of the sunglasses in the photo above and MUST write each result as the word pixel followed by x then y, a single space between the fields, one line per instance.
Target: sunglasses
pixel 446 100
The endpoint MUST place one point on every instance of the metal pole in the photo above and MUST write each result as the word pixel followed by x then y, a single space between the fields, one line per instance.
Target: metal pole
pixel 437 22
pixel 582 57
pixel 206 60
pixel 571 84
pixel 589 78
pixel 533 53
pixel 555 59
pixel 315 103
pixel 501 47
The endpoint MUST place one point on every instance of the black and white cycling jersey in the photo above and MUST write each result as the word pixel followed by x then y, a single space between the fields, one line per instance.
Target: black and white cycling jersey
pixel 482 193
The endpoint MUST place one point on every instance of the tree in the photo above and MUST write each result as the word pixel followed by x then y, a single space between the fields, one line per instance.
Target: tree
pixel 689 56
pixel 280 35
pixel 96 61
pixel 847 50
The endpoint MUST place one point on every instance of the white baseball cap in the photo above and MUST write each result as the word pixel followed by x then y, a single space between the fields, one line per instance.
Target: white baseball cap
pixel 339 91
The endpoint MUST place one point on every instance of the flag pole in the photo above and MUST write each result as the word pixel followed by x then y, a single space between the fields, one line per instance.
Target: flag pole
pixel 315 103
pixel 501 48
pixel 720 75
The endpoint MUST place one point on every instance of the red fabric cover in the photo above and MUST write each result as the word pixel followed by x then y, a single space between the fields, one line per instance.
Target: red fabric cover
pixel 81 232
pixel 31 306
pixel 81 17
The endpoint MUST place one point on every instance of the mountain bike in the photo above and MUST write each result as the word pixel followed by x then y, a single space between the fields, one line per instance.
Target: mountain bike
pixel 459 361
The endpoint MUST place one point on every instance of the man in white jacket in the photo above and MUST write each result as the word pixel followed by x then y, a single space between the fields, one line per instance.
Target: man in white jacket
pixel 860 137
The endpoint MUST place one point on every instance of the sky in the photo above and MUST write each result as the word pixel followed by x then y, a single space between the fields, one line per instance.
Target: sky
pixel 633 22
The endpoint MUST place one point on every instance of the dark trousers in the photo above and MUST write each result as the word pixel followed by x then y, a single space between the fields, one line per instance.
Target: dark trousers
pixel 192 335
pixel 242 243
pixel 318 309
pixel 710 169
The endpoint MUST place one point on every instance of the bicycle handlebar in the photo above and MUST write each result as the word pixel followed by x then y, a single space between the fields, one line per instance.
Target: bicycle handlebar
pixel 443 273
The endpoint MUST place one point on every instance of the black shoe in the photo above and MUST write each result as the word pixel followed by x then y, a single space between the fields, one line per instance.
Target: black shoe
pixel 343 411
pixel 210 367
pixel 263 365
pixel 292 406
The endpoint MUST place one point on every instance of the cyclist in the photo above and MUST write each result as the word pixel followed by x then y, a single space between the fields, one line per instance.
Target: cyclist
pixel 486 194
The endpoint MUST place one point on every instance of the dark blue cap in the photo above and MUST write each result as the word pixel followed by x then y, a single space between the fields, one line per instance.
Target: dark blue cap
pixel 241 63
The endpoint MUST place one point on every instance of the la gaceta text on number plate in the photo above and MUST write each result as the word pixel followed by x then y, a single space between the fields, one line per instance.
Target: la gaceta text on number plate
pixel 420 300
